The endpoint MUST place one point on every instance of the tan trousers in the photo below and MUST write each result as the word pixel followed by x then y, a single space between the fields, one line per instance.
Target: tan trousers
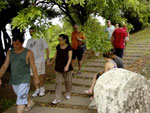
pixel 68 84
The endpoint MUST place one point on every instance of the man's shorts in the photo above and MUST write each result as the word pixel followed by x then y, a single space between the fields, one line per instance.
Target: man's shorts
pixel 21 91
pixel 77 53
pixel 40 68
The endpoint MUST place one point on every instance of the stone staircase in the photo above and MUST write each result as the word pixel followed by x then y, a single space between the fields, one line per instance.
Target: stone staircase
pixel 79 101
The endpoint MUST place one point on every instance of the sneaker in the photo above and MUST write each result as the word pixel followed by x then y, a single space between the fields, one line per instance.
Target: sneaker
pixel 42 92
pixel 36 93
pixel 79 72
pixel 68 97
pixel 44 89
pixel 56 101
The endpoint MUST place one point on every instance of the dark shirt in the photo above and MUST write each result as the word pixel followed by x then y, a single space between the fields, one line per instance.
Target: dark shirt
pixel 62 58
pixel 20 70
pixel 119 62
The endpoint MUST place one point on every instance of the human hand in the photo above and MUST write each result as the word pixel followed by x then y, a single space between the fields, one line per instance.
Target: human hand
pixel 79 38
pixel 48 62
pixel 66 68
pixel 0 82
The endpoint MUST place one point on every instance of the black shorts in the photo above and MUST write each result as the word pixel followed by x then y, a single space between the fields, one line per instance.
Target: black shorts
pixel 119 52
pixel 77 53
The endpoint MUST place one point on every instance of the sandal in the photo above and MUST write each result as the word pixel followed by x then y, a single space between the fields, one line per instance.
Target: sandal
pixel 88 92
pixel 29 106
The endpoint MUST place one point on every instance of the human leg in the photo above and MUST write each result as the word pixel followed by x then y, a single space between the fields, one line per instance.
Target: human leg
pixel 119 52
pixel 58 92
pixel 20 108
pixel 21 91
pixel 74 55
pixel 40 90
pixel 29 105
pixel 79 57
pixel 91 89
pixel 68 83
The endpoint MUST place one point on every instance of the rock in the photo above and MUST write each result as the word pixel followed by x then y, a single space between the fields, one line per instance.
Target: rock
pixel 122 91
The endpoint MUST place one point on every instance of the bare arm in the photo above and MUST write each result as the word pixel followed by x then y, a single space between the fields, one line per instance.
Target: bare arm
pixel 54 58
pixel 69 61
pixel 5 65
pixel 33 66
pixel 106 67
pixel 70 58
pixel 47 56
pixel 47 53
pixel 112 40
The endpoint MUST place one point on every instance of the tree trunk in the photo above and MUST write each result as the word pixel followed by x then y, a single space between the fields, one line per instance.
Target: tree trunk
pixel 7 45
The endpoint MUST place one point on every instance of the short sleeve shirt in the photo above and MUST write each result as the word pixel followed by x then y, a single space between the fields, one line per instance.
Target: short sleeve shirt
pixel 62 57
pixel 119 62
pixel 119 36
pixel 37 47
pixel 75 42
pixel 110 30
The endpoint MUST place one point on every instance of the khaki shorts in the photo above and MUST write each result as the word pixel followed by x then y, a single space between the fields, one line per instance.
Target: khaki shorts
pixel 40 68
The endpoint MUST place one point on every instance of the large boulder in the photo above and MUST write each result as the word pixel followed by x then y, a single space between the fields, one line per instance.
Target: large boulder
pixel 122 91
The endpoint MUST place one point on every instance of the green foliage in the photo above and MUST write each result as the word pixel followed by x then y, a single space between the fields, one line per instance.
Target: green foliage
pixel 3 4
pixel 52 33
pixel 79 11
pixel 6 103
pixel 96 38
pixel 32 16
pixel 75 2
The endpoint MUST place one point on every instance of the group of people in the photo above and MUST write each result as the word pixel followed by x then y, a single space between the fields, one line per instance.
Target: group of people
pixel 31 61
pixel 113 58
pixel 118 35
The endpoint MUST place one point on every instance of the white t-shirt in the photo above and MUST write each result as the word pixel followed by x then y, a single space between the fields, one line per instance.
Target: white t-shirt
pixel 110 30
pixel 38 47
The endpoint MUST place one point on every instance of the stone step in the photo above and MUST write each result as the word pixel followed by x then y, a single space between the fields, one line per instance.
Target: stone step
pixel 85 75
pixel 138 49
pixel 130 58
pixel 75 89
pixel 140 45
pixel 133 55
pixel 49 109
pixel 75 100
pixel 125 59
pixel 131 51
pixel 82 81
pixel 92 69
pixel 95 64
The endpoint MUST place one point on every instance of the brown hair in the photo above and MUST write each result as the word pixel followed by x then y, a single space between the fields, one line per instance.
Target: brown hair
pixel 108 54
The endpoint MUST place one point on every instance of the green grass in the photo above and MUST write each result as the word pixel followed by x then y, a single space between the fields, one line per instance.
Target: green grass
pixel 141 36
pixel 6 103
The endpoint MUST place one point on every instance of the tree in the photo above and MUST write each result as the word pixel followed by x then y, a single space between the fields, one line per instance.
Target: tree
pixel 8 10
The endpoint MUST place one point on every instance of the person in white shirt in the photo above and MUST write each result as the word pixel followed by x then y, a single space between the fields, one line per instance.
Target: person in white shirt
pixel 38 47
pixel 110 29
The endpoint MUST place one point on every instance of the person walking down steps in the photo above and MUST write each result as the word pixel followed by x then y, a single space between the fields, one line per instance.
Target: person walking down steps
pixel 63 68
pixel 38 46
